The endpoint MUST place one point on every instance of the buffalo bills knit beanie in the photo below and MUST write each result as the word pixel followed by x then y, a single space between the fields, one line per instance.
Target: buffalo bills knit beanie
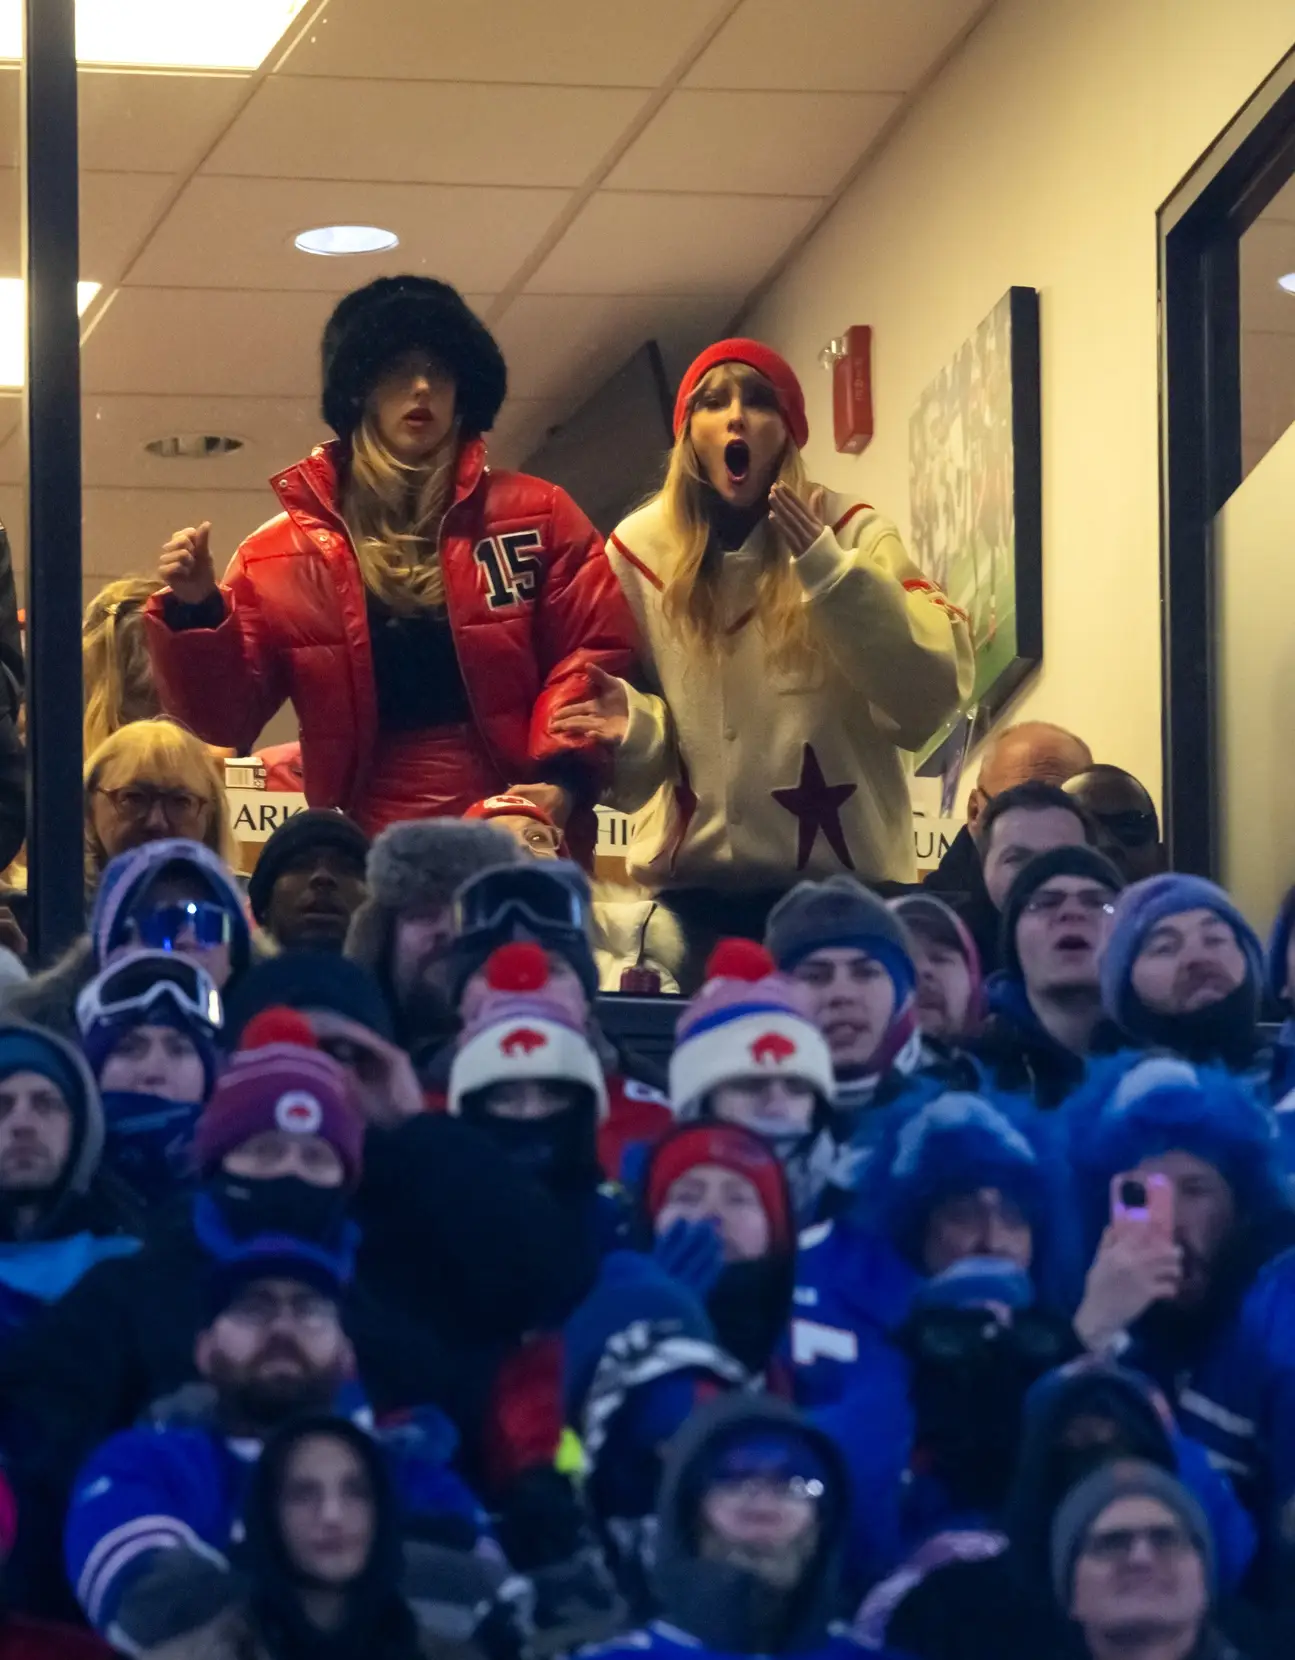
pixel 839 912
pixel 1131 1109
pixel 373 326
pixel 302 833
pixel 747 1021
pixel 1279 950
pixel 280 1080
pixel 765 361
pixel 1140 909
pixel 1083 1506
pixel 1084 862
pixel 523 1029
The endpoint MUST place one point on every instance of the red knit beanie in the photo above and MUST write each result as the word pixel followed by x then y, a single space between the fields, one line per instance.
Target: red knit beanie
pixel 732 1148
pixel 280 1080
pixel 775 369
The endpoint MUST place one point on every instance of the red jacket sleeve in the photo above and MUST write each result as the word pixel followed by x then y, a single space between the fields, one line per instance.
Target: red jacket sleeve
pixel 582 618
pixel 225 683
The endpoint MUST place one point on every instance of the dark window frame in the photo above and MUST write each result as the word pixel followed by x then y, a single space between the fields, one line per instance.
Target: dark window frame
pixel 1199 228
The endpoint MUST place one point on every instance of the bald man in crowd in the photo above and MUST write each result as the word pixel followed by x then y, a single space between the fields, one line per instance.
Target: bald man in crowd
pixel 1033 751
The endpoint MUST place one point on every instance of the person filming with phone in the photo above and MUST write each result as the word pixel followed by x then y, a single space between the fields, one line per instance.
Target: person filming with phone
pixel 1189 1227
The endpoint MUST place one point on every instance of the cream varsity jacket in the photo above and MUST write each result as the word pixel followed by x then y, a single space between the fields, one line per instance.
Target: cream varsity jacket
pixel 740 776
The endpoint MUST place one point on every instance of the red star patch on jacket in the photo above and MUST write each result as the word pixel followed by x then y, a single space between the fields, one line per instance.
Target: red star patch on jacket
pixel 817 805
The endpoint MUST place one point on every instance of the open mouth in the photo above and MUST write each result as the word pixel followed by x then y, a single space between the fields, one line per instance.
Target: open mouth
pixel 1074 944
pixel 737 459
pixel 419 417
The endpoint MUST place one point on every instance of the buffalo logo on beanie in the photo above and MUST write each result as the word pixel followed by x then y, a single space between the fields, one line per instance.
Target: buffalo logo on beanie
pixel 747 1021
pixel 524 1041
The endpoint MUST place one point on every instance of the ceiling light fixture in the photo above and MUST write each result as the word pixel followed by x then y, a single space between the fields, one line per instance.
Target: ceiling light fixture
pixel 1287 282
pixel 332 240
pixel 167 34
pixel 13 327
pixel 193 446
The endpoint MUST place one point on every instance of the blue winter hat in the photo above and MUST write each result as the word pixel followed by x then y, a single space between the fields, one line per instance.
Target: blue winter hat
pixel 840 913
pixel 28 1049
pixel 327 1267
pixel 1137 1107
pixel 127 878
pixel 1279 947
pixel 1137 912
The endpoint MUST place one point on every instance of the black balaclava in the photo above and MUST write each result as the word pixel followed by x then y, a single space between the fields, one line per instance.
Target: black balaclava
pixel 378 1621
pixel 252 1207
pixel 560 1151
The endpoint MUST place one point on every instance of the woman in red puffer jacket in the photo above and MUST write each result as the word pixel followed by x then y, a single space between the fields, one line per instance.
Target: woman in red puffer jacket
pixel 426 616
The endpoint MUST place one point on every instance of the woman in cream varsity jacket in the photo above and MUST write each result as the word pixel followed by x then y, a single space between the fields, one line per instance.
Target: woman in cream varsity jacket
pixel 793 650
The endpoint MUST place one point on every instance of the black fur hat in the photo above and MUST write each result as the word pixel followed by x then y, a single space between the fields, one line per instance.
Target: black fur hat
pixel 371 327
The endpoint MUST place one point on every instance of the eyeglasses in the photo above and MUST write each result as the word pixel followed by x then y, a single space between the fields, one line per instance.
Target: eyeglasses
pixel 260 1309
pixel 1050 901
pixel 141 979
pixel 167 926
pixel 801 1489
pixel 535 898
pixel 136 801
pixel 1116 1543
pixel 1130 828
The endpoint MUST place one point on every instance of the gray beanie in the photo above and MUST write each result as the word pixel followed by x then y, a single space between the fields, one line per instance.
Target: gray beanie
pixel 419 866
pixel 1123 1479
pixel 816 916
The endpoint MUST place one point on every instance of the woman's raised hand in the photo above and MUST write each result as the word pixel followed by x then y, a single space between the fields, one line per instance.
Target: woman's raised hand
pixel 800 525
pixel 186 564
pixel 604 714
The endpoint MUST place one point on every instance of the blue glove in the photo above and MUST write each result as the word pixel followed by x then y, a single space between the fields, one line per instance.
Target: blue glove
pixel 692 1253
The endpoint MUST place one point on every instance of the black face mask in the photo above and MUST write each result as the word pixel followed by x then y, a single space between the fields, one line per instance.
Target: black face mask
pixel 1223 1031
pixel 279 1204
pixel 749 1306
pixel 561 1150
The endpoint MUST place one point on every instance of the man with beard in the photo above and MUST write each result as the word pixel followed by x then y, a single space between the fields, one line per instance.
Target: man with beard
pixel 1183 970
pixel 309 881
pixel 1045 1004
pixel 1206 1304
pixel 155 1519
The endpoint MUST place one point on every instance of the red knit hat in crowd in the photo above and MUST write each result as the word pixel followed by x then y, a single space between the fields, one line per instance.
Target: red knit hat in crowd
pixel 514 806
pixel 732 1148
pixel 763 359
pixel 280 1080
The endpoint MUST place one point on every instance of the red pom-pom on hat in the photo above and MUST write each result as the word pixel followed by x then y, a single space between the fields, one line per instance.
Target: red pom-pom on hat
pixel 740 960
pixel 521 966
pixel 278 1025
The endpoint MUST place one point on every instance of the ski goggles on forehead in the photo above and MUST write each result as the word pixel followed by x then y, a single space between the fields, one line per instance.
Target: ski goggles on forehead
pixel 167 927
pixel 142 981
pixel 532 898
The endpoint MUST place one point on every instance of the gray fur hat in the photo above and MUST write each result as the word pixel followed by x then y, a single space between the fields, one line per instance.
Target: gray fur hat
pixel 419 866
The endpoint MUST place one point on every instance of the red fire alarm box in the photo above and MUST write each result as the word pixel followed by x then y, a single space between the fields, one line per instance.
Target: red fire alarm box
pixel 852 389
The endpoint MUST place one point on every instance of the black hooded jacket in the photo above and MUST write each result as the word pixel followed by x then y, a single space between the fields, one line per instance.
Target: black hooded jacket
pixel 724 1607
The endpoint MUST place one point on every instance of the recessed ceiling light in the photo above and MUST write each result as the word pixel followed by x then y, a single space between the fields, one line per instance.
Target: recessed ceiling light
pixel 346 239
pixel 167 34
pixel 193 446
pixel 1287 282
pixel 13 326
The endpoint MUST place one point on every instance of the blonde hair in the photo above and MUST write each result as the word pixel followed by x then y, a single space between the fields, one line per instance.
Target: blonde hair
pixel 691 596
pixel 114 659
pixel 394 512
pixel 156 751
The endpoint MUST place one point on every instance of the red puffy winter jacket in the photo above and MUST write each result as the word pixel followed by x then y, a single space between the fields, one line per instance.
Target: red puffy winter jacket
pixel 531 598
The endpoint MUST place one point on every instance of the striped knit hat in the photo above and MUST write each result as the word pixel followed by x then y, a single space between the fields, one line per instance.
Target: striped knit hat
pixel 280 1080
pixel 747 1021
pixel 522 1030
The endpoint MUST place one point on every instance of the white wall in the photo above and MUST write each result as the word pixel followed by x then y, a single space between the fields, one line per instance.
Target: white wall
pixel 1039 157
pixel 1254 534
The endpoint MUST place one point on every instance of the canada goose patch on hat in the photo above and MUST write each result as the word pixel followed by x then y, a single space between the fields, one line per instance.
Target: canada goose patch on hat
pixel 298 1112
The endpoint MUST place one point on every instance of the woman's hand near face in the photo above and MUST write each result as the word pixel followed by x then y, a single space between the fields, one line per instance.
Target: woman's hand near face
pixel 800 525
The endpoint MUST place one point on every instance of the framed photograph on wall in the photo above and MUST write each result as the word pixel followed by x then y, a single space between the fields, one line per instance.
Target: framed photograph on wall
pixel 976 501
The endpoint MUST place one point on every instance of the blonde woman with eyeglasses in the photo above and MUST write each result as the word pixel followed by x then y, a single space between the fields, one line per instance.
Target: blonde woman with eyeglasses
pixel 794 652
pixel 151 781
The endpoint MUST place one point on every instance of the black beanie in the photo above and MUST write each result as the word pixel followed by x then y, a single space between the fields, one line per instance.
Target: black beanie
pixel 1057 861
pixel 316 828
pixel 373 326
pixel 308 980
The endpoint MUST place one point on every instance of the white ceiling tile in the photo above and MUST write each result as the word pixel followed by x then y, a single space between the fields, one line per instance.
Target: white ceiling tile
pixel 832 45
pixel 474 237
pixel 632 243
pixel 563 346
pixel 558 42
pixel 117 210
pixel 114 430
pixel 757 143
pixel 444 134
